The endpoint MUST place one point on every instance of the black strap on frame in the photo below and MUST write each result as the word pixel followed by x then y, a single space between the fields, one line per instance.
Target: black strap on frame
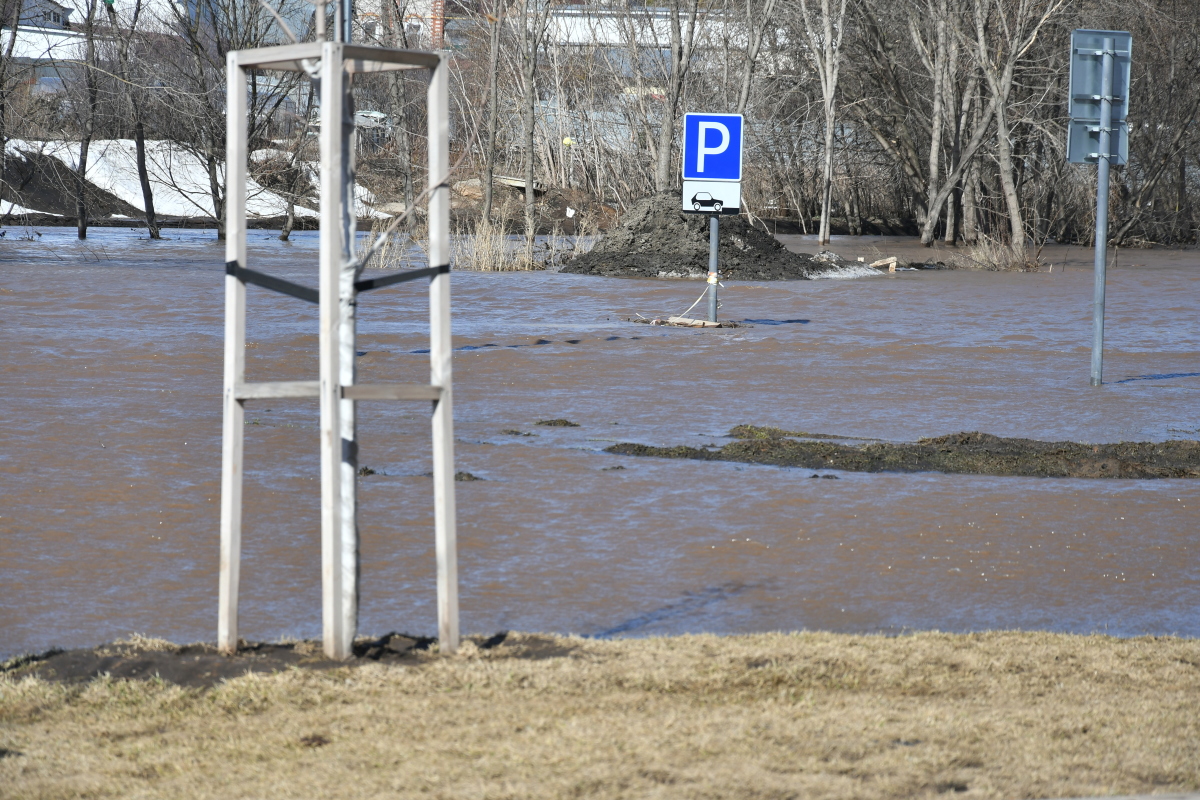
pixel 271 282
pixel 400 277
pixel 312 295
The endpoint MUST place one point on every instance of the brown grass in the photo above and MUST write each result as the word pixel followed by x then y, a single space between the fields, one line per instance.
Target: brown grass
pixel 993 256
pixel 1013 715
pixel 489 248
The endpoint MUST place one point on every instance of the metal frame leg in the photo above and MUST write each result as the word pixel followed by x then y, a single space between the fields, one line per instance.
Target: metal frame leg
pixel 338 636
pixel 440 356
pixel 233 426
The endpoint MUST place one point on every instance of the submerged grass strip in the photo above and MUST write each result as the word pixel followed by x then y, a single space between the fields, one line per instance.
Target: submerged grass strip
pixel 963 453
pixel 809 715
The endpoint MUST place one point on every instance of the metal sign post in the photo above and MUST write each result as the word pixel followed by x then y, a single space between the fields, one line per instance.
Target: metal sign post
pixel 1098 105
pixel 340 285
pixel 712 179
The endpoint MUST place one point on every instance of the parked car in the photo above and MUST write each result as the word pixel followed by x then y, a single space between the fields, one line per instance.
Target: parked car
pixel 705 200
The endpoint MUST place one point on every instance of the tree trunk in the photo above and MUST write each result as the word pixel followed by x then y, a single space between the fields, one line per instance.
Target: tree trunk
pixel 289 221
pixel 81 211
pixel 1008 184
pixel 532 30
pixel 136 107
pixel 981 122
pixel 89 122
pixel 937 117
pixel 827 179
pixel 528 126
pixel 144 177
pixel 214 188
pixel 489 155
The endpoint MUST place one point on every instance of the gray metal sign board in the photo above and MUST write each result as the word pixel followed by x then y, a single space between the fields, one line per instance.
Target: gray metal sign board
pixel 1087 73
pixel 1083 142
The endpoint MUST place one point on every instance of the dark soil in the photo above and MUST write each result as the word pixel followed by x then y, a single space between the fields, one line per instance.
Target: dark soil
pixel 200 665
pixel 655 239
pixel 958 453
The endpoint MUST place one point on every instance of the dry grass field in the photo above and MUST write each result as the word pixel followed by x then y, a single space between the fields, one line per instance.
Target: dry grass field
pixel 810 715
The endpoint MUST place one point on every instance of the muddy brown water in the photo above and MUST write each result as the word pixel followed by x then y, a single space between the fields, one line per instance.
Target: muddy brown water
pixel 110 450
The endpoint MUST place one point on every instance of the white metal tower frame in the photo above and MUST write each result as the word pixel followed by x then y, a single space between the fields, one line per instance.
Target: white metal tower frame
pixel 340 284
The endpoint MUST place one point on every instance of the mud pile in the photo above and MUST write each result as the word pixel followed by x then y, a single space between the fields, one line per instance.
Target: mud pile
pixel 655 239
pixel 960 453
pixel 201 665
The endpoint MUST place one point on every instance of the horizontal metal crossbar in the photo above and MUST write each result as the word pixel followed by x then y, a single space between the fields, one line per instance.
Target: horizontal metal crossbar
pixel 399 277
pixel 278 389
pixel 362 391
pixel 391 391
pixel 1089 51
pixel 271 282
pixel 358 58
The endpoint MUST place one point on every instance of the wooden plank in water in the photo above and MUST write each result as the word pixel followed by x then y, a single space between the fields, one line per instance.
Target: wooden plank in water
pixel 688 322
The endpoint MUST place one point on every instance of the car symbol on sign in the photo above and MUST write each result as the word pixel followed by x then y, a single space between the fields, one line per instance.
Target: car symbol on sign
pixel 705 200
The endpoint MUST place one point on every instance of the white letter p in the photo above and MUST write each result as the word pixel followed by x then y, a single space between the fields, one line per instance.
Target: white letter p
pixel 702 151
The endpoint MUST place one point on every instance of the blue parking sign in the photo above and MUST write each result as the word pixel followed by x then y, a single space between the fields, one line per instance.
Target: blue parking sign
pixel 712 147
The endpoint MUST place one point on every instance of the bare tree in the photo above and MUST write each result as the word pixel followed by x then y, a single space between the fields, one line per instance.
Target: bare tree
pixel 86 115
pixel 124 40
pixel 12 19
pixel 765 18
pixel 531 20
pixel 495 27
pixel 825 52
pixel 1005 31
pixel 396 36
pixel 682 45
pixel 195 74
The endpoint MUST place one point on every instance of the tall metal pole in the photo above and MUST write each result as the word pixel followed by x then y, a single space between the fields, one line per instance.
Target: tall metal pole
pixel 440 359
pixel 1106 82
pixel 343 18
pixel 713 240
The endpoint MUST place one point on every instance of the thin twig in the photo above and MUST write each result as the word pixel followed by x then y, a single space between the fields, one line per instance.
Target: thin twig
pixel 359 263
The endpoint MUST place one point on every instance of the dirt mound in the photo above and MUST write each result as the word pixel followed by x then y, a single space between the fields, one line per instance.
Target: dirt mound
pixel 960 453
pixel 42 182
pixel 655 239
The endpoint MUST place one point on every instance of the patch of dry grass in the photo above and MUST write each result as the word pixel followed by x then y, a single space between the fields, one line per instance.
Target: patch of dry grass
pixel 489 249
pixel 802 715
pixel 993 256
pixel 140 641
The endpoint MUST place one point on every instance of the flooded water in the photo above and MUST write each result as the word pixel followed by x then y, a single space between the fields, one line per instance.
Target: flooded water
pixel 110 450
